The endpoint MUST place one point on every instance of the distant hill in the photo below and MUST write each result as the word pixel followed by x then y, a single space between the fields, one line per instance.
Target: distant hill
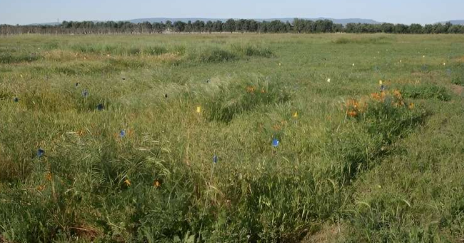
pixel 457 22
pixel 336 21
pixel 159 20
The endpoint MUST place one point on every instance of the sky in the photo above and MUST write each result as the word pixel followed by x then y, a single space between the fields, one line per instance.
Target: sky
pixel 393 11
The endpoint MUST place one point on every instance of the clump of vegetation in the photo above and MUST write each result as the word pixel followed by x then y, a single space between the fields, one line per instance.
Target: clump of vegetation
pixel 213 55
pixel 458 78
pixel 252 50
pixel 378 121
pixel 363 40
pixel 243 95
pixel 425 91
pixel 7 58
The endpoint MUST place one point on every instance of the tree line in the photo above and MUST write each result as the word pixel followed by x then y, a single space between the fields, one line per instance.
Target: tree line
pixel 231 25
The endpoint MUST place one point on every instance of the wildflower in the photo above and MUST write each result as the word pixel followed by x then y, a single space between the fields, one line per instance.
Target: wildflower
pixel 198 109
pixel 40 152
pixel 40 188
pixel 382 87
pixel 328 80
pixel 411 106
pixel 380 82
pixel 444 64
pixel 80 133
pixel 128 183
pixel 85 93
pixel 48 176
pixel 423 56
pixel 100 107
pixel 376 96
pixel 16 99
pixel 215 159
pixel 157 184
pixel 397 94
pixel 250 89
pixel 122 133
pixel 353 64
pixel 295 115
pixel 275 143
pixel 280 64
pixel 352 113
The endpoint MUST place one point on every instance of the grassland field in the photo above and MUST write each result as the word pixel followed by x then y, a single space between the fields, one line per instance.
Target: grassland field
pixel 232 138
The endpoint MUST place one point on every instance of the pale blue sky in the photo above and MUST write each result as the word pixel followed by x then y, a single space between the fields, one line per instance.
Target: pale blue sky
pixel 394 11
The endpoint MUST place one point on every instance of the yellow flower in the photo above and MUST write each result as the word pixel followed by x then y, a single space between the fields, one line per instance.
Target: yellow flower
pixel 128 183
pixel 198 109
pixel 295 115
pixel 411 106
pixel 380 82
pixel 156 184
pixel 250 89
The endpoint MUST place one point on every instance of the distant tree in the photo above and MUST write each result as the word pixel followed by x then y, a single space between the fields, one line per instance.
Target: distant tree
pixel 229 25
pixel 179 26
pixel 416 29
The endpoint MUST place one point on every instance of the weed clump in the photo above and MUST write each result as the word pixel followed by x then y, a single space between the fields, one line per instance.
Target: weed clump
pixel 373 123
pixel 426 91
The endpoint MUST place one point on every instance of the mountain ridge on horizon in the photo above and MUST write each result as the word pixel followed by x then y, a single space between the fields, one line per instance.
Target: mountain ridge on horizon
pixel 343 21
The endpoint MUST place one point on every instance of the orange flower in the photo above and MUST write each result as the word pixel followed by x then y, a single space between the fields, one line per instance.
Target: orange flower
pixel 397 94
pixel 48 176
pixel 250 89
pixel 352 113
pixel 80 133
pixel 376 96
pixel 156 184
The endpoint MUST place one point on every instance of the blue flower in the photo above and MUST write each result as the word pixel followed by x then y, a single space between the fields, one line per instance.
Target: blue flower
pixel 215 159
pixel 122 133
pixel 16 99
pixel 275 142
pixel 40 152
pixel 100 107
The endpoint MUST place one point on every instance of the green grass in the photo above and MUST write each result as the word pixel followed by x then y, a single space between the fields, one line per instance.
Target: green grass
pixel 354 164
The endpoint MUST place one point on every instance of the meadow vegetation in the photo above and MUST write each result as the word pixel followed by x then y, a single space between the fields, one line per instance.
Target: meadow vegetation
pixel 232 138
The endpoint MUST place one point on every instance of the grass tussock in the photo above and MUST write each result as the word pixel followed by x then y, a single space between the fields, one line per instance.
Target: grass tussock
pixel 425 91
pixel 363 40
pixel 243 95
